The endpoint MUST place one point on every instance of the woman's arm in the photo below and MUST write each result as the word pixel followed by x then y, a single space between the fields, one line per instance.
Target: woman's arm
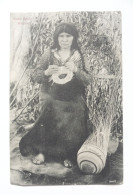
pixel 86 78
pixel 83 74
pixel 76 66
pixel 39 73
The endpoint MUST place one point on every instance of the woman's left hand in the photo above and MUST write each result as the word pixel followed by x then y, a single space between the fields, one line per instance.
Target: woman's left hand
pixel 71 66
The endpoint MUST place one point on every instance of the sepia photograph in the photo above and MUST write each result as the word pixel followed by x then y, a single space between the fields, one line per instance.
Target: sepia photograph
pixel 66 102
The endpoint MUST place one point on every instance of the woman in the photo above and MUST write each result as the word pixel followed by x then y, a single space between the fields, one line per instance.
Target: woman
pixel 61 128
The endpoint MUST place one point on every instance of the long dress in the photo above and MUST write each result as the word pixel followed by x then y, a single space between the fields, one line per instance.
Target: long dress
pixel 61 128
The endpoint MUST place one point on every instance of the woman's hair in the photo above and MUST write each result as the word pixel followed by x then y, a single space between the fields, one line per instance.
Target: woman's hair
pixel 70 29
pixel 67 28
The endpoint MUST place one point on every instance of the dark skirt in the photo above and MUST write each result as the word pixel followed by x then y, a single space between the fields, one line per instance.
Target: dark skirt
pixel 60 130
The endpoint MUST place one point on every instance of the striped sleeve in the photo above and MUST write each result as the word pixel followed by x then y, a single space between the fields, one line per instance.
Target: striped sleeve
pixel 81 73
pixel 38 75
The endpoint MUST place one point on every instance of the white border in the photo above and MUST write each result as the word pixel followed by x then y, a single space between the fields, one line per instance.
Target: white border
pixel 8 6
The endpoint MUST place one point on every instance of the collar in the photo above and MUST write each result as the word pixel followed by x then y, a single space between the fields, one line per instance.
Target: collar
pixel 57 56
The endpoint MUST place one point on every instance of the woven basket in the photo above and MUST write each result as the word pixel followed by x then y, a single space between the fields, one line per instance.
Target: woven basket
pixel 62 70
pixel 91 157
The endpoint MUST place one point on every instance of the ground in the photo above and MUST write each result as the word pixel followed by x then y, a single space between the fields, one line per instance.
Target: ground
pixel 24 172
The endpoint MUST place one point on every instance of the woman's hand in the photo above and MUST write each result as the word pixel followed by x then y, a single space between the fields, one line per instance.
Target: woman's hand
pixel 52 69
pixel 71 66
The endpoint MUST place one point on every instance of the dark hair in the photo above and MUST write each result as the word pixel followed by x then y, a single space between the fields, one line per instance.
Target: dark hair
pixel 68 28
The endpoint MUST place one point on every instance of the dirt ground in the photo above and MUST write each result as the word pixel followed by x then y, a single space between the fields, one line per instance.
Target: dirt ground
pixel 24 172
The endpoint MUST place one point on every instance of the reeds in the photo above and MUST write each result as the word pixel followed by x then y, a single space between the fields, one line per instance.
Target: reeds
pixel 100 41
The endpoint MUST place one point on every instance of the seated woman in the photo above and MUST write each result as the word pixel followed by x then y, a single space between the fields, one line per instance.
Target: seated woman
pixel 61 128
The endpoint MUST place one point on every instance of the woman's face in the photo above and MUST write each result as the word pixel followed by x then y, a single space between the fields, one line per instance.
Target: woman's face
pixel 65 40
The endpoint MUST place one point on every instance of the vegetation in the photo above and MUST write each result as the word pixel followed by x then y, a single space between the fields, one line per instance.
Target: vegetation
pixel 100 41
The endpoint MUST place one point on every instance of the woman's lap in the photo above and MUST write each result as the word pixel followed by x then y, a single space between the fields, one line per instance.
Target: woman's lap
pixel 62 132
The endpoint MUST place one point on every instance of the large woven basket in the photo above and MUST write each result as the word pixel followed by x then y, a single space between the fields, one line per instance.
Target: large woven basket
pixel 91 157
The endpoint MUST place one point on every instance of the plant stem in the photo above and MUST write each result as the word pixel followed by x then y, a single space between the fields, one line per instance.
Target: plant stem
pixel 25 106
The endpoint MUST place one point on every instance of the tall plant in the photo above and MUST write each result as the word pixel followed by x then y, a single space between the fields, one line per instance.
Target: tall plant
pixel 100 41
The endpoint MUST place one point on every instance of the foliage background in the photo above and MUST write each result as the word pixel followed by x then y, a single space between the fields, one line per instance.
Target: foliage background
pixel 100 41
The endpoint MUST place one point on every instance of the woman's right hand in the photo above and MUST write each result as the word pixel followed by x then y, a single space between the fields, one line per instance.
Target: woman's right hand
pixel 52 69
